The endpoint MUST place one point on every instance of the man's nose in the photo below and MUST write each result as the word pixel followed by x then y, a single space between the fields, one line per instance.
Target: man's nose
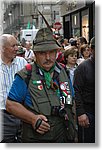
pixel 47 56
pixel 16 47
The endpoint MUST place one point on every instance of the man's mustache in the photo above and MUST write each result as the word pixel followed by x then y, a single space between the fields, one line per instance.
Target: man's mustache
pixel 49 61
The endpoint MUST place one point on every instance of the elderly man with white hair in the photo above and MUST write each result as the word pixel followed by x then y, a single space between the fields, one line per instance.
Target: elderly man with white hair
pixel 9 65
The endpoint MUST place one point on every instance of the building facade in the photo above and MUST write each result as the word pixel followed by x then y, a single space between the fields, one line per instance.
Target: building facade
pixel 79 19
pixel 20 15
pixel 76 16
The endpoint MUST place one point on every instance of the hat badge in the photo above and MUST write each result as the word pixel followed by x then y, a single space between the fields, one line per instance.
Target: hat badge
pixel 44 35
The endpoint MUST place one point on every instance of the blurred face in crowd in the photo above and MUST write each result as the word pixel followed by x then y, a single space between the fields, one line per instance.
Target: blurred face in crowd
pixel 9 47
pixel 92 51
pixel 86 53
pixel 46 59
pixel 78 43
pixel 28 45
pixel 71 59
pixel 92 47
pixel 66 42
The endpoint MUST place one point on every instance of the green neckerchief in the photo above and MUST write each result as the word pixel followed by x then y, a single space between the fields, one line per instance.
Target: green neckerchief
pixel 47 75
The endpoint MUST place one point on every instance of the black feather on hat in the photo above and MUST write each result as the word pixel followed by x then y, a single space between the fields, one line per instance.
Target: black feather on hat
pixel 45 40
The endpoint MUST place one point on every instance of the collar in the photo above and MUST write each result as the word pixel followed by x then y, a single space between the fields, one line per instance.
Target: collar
pixel 13 62
pixel 68 67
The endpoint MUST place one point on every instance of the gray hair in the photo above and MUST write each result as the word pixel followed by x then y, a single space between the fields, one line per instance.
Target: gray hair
pixel 4 40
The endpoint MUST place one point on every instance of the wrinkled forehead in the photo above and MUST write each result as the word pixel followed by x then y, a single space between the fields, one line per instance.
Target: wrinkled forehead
pixel 11 40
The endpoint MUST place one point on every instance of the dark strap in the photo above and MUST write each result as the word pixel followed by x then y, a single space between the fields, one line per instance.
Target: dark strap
pixel 29 54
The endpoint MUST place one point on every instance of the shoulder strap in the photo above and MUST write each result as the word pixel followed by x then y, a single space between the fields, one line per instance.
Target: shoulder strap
pixel 29 53
pixel 29 71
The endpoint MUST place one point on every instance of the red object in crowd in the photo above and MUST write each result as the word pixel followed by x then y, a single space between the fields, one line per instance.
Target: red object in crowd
pixel 60 58
pixel 28 67
pixel 57 26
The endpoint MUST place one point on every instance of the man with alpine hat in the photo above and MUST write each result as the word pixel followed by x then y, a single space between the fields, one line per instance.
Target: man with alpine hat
pixel 44 103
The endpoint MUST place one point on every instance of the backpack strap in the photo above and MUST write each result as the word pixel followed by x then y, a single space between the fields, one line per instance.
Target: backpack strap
pixel 29 54
pixel 29 72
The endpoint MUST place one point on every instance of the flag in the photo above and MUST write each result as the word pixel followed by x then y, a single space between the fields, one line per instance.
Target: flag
pixel 28 25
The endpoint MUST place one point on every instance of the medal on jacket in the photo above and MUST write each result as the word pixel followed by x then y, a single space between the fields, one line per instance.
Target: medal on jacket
pixel 66 92
pixel 64 89
pixel 40 87
pixel 39 83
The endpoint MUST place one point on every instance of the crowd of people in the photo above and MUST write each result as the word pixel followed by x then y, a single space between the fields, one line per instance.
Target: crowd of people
pixel 47 90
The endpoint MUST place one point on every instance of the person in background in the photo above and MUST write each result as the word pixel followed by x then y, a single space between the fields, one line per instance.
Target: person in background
pixel 84 87
pixel 60 54
pixel 85 51
pixel 21 51
pixel 44 106
pixel 64 43
pixel 9 65
pixel 29 54
pixel 70 57
pixel 80 42
pixel 73 42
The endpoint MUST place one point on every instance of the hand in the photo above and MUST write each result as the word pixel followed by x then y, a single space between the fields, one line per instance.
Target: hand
pixel 43 126
pixel 83 120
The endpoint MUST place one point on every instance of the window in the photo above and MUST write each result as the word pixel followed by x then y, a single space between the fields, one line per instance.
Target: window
pixel 21 9
pixel 75 25
pixel 94 19
pixel 85 24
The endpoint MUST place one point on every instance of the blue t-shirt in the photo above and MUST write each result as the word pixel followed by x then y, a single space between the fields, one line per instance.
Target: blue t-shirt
pixel 19 92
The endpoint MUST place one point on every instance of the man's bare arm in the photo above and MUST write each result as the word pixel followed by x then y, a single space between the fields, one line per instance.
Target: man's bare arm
pixel 27 116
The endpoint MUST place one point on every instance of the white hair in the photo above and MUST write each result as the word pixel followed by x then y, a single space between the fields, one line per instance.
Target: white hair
pixel 4 40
